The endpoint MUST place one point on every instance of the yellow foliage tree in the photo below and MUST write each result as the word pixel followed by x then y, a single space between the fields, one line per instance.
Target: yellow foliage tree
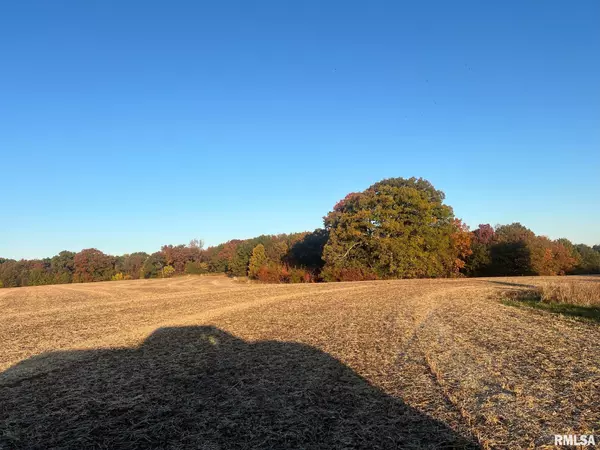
pixel 257 260
pixel 168 271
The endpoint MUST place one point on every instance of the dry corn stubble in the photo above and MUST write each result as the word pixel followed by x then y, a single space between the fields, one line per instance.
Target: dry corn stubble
pixel 409 363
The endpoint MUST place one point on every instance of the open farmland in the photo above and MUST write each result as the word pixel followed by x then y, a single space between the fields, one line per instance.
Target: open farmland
pixel 206 362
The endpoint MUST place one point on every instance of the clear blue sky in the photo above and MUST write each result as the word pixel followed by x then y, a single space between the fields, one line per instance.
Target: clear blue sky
pixel 125 125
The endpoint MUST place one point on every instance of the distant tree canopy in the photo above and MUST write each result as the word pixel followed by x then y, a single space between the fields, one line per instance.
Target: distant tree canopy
pixel 516 250
pixel 588 258
pixel 281 252
pixel 93 265
pixel 397 228
pixel 63 266
pixel 132 264
pixel 307 252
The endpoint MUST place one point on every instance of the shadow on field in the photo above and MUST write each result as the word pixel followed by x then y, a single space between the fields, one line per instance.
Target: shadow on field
pixel 199 387
pixel 508 283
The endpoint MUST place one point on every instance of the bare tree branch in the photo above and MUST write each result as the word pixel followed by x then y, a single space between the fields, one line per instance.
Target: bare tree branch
pixel 348 251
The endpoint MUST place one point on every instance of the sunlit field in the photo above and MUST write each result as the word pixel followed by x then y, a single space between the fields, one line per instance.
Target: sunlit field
pixel 208 362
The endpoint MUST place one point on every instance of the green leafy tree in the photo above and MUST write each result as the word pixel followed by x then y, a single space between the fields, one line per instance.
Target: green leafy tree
pixel 588 259
pixel 277 249
pixel 257 260
pixel 238 264
pixel 153 266
pixel 10 273
pixel 196 267
pixel 397 228
pixel 63 266
pixel 511 251
pixel 39 273
pixel 221 256
pixel 216 262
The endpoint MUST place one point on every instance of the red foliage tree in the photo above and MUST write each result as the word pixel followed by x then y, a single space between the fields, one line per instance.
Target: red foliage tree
pixel 484 234
pixel 93 265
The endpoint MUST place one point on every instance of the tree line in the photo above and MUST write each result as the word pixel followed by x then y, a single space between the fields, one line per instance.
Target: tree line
pixel 397 228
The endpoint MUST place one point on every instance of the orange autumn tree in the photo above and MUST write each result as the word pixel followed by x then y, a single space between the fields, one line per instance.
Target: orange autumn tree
pixel 551 257
pixel 461 245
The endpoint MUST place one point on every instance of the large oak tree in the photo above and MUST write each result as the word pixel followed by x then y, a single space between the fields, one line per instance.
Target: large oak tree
pixel 397 228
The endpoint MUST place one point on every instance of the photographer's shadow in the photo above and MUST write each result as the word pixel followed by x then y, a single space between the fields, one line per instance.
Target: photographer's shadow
pixel 200 387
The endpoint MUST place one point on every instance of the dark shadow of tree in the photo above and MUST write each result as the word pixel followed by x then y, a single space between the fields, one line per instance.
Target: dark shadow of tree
pixel 308 251
pixel 510 259
pixel 508 283
pixel 199 387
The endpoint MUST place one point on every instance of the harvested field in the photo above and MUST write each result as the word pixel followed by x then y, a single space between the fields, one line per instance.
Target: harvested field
pixel 205 362
pixel 580 293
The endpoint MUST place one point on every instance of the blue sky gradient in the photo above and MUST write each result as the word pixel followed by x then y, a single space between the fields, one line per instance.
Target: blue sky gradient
pixel 127 125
